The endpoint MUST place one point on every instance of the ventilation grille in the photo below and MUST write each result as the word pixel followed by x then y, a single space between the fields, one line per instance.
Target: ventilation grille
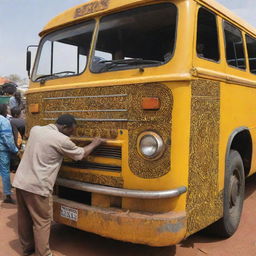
pixel 109 152
pixel 93 166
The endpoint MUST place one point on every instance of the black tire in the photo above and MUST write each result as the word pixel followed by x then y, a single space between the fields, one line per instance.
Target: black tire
pixel 233 197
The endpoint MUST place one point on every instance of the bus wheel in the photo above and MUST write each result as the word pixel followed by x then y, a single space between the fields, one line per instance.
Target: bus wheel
pixel 233 196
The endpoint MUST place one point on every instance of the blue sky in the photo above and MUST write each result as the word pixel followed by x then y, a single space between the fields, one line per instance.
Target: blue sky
pixel 21 21
pixel 243 8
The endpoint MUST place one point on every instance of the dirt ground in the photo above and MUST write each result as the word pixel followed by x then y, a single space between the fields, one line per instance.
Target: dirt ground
pixel 70 242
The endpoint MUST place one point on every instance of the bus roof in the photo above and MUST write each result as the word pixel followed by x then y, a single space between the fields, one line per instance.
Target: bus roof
pixel 98 7
pixel 88 9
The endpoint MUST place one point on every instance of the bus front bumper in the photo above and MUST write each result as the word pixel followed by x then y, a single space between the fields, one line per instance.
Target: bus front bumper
pixel 137 227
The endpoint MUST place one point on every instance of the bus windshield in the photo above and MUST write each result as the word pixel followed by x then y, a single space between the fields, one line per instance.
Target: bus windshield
pixel 140 37
pixel 64 53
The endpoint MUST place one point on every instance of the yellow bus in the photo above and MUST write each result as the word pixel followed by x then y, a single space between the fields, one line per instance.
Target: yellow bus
pixel 171 85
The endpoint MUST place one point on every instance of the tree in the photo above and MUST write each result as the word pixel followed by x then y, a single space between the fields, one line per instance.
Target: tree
pixel 17 79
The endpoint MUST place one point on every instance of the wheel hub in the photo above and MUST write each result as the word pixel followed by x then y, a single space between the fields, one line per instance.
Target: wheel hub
pixel 234 190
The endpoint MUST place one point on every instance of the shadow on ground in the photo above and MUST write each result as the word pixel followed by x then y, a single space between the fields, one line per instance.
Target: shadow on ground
pixel 95 245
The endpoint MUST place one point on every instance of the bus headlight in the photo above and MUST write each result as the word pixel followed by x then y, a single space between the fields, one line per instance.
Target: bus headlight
pixel 150 145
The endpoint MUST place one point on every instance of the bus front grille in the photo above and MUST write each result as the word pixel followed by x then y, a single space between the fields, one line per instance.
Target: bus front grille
pixel 93 166
pixel 107 151
pixel 99 160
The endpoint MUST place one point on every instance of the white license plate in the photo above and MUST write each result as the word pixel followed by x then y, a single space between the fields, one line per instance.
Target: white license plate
pixel 69 213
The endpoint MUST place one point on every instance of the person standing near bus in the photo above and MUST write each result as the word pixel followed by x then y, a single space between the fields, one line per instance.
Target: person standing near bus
pixel 16 101
pixel 7 146
pixel 18 129
pixel 18 123
pixel 35 178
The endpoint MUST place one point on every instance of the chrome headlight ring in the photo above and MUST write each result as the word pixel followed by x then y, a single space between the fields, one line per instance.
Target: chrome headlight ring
pixel 150 145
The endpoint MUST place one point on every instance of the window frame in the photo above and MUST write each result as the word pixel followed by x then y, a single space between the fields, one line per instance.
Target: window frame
pixel 134 67
pixel 225 44
pixel 45 38
pixel 218 35
pixel 254 38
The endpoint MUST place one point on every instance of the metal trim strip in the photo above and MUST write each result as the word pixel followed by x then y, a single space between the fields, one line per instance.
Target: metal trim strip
pixel 202 72
pixel 92 120
pixel 90 110
pixel 86 97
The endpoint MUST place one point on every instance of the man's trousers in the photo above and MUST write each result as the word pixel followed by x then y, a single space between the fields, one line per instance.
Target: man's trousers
pixel 34 222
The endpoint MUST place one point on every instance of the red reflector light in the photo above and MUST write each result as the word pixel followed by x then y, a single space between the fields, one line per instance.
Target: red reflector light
pixel 33 108
pixel 150 103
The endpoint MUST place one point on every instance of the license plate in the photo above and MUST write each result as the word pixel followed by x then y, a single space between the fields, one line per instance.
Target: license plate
pixel 69 213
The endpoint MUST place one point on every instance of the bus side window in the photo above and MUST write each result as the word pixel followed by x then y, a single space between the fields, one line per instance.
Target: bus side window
pixel 207 46
pixel 251 48
pixel 234 46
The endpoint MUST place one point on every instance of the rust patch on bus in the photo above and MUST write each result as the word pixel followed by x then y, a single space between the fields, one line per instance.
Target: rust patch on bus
pixel 172 227
pixel 204 202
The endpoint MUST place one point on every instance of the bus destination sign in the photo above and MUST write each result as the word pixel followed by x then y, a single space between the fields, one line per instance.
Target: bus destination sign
pixel 91 8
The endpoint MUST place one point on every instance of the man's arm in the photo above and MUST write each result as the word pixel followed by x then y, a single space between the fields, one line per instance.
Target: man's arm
pixel 71 150
pixel 95 143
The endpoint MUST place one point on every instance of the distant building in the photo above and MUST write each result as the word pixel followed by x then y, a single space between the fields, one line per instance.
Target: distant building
pixel 4 80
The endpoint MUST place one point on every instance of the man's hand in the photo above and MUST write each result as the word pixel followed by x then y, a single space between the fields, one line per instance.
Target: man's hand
pixel 95 143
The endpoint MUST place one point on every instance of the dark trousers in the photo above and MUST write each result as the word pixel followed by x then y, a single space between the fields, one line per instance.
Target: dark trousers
pixel 34 222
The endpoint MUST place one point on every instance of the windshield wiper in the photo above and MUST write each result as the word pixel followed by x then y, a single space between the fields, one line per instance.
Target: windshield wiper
pixel 45 77
pixel 65 72
pixel 54 75
pixel 115 63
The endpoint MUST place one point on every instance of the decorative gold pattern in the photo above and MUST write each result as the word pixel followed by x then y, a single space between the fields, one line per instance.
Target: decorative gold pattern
pixel 145 168
pixel 204 203
pixel 157 121
pixel 92 178
pixel 91 8
pixel 123 103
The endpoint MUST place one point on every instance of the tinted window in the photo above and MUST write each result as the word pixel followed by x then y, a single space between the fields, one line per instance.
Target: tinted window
pixel 144 36
pixel 207 36
pixel 234 46
pixel 251 48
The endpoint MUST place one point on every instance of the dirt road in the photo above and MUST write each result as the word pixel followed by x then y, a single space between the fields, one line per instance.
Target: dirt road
pixel 70 242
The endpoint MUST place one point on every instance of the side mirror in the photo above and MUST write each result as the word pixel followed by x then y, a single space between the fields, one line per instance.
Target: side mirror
pixel 28 60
